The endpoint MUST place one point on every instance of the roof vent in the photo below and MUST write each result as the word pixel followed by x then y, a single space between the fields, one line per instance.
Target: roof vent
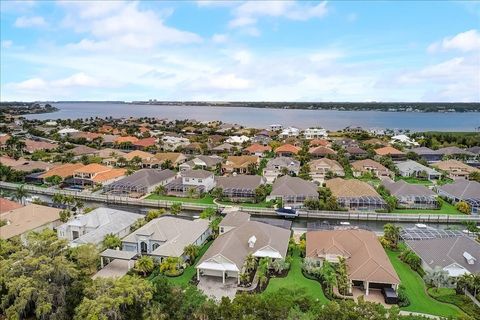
pixel 470 259
pixel 251 241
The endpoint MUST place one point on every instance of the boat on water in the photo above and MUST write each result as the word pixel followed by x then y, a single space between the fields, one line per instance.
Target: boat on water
pixel 287 212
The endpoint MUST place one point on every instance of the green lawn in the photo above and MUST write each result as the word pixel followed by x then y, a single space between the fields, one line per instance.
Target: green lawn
pixel 262 204
pixel 449 295
pixel 446 208
pixel 296 280
pixel 190 271
pixel 420 301
pixel 205 200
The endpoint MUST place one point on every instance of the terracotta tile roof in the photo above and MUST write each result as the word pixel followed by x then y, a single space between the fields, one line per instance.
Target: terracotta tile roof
pixel 454 165
pixel 366 164
pixel 109 175
pixel 319 142
pixel 321 150
pixel 174 157
pixel 350 188
pixel 63 170
pixel 287 148
pixel 138 153
pixel 89 136
pixel 10 162
pixel 388 151
pixel 7 205
pixel 4 138
pixel 255 148
pixel 364 255
pixel 126 139
pixel 93 168
pixel 105 129
pixel 146 142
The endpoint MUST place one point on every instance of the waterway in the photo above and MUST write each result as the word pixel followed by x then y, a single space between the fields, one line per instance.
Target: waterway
pixel 261 118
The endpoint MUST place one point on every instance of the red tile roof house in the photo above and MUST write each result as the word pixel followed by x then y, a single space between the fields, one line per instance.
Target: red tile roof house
pixel 392 152
pixel 257 150
pixel 32 145
pixel 287 150
pixel 145 143
pixel 125 142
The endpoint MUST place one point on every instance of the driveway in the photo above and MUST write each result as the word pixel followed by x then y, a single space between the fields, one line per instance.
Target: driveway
pixel 215 289
pixel 115 269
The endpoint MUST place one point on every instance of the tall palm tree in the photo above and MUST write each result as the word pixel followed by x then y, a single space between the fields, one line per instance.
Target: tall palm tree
pixel 145 265
pixel 191 251
pixel 21 194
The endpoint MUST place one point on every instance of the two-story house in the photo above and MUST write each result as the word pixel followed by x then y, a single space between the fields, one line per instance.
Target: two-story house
pixel 191 183
pixel 280 166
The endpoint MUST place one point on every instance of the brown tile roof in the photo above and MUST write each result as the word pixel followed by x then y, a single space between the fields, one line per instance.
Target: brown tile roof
pixel 240 161
pixel 126 139
pixel 321 150
pixel 287 148
pixel 138 153
pixel 174 157
pixel 319 142
pixel 89 136
pixel 350 188
pixel 31 145
pixel 83 150
pixel 92 168
pixel 146 142
pixel 364 255
pixel 332 164
pixel 109 175
pixel 26 219
pixel 388 151
pixel 7 205
pixel 254 148
pixel 64 170
pixel 4 138
pixel 454 165
pixel 364 165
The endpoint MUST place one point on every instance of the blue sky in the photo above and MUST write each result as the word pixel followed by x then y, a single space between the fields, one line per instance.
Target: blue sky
pixel 262 51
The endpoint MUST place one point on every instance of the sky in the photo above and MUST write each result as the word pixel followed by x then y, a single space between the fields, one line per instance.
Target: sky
pixel 240 51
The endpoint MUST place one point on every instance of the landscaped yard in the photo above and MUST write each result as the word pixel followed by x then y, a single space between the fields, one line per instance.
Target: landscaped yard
pixel 415 289
pixel 463 302
pixel 446 208
pixel 296 280
pixel 262 204
pixel 190 271
pixel 205 200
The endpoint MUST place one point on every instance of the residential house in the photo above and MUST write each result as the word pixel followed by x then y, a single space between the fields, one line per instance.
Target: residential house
pixel 462 190
pixel 457 255
pixel 411 196
pixel 455 169
pixel 455 152
pixel 146 159
pixel 368 266
pixel 240 187
pixel 86 136
pixel 94 174
pixel 172 143
pixel 354 152
pixel 319 169
pixel 262 139
pixel 241 164
pixel 141 182
pixel 82 150
pixel 293 191
pixel 32 217
pixel 125 142
pixel 145 143
pixel 404 139
pixel 109 156
pixel 280 166
pixel 314 133
pixel 237 139
pixel 167 236
pixel 427 154
pixel 287 150
pixel 354 194
pixel 223 148
pixel 257 150
pixel 67 131
pixel 95 225
pixel 414 169
pixel 360 167
pixel 275 127
pixel 395 154
pixel 175 158
pixel 64 171
pixel 202 162
pixel 3 141
pixel 32 145
pixel 289 133
pixel 321 152
pixel 193 148
pixel 201 181
pixel 225 258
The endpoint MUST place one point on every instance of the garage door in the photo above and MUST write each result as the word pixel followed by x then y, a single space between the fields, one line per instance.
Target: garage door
pixel 215 273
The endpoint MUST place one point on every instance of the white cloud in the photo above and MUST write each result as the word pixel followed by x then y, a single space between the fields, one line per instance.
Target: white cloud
pixel 242 57
pixel 7 44
pixel 228 82
pixel 122 25
pixel 219 38
pixel 249 12
pixel 28 22
pixel 464 41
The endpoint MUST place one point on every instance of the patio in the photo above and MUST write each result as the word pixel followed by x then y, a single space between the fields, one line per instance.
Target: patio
pixel 374 295
pixel 115 269
pixel 214 288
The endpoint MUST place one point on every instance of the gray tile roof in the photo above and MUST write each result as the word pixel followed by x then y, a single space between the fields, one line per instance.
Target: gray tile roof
pixel 281 162
pixel 234 219
pixel 443 252
pixel 454 150
pixel 404 189
pixel 293 186
pixel 199 174
pixel 462 189
pixel 411 166
pixel 424 151
pixel 240 182
pixel 145 178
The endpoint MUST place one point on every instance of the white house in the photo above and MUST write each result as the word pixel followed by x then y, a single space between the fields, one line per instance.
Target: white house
pixel 238 139
pixel 94 226
pixel 401 138
pixel 276 126
pixel 200 180
pixel 171 143
pixel 289 132
pixel 66 131
pixel 314 133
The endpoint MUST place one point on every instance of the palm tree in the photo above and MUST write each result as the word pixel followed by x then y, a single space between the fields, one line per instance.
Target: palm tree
pixel 176 208
pixel 170 265
pixel 21 194
pixel 250 262
pixel 145 265
pixel 160 190
pixel 57 198
pixel 328 275
pixel 192 252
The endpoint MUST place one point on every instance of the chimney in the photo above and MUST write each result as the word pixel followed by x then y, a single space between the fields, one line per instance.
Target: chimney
pixel 251 241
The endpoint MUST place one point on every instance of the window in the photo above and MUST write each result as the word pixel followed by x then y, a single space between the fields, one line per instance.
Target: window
pixel 143 247
pixel 155 246
pixel 200 180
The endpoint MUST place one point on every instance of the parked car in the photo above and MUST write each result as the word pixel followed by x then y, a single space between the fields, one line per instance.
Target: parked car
pixel 390 296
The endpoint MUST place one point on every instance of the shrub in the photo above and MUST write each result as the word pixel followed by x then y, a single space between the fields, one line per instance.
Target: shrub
pixel 403 300
pixel 410 258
